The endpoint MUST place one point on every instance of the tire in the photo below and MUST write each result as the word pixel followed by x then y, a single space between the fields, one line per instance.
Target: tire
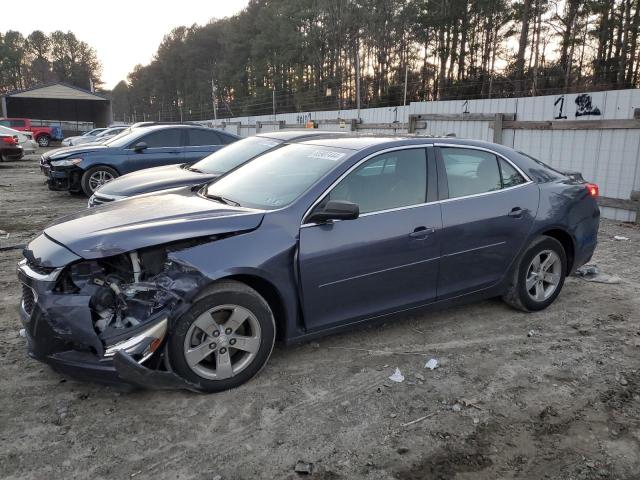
pixel 96 177
pixel 196 354
pixel 544 284
pixel 43 141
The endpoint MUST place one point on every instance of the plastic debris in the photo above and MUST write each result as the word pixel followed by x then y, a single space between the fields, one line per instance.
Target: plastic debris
pixel 431 364
pixel 397 376
pixel 620 238
pixel 22 333
pixel 303 467
pixel 591 273
pixel 531 333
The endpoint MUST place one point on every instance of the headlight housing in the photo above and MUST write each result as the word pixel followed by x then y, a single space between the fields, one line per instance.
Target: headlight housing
pixel 67 162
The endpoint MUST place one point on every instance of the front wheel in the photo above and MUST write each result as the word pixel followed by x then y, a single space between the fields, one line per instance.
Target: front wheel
pixel 539 277
pixel 224 339
pixel 95 177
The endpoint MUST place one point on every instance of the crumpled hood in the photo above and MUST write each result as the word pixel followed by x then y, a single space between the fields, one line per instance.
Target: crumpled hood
pixel 64 152
pixel 154 179
pixel 148 220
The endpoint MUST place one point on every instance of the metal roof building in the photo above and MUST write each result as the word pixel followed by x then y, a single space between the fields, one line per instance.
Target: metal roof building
pixel 58 102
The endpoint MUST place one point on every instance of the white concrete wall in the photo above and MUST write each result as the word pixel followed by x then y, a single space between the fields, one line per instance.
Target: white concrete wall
pixel 608 157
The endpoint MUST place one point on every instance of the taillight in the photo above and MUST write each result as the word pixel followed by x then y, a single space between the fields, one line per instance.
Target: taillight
pixel 9 140
pixel 593 189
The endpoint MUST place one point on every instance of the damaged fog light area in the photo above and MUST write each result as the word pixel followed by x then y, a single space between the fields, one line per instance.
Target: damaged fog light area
pixel 131 297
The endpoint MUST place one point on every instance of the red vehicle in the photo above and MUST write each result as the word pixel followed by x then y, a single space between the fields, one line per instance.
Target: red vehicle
pixel 42 135
pixel 9 148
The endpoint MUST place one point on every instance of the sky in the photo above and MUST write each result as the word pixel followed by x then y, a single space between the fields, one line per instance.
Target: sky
pixel 123 33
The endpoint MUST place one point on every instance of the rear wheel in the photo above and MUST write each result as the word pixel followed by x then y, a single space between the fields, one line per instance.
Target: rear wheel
pixel 43 140
pixel 539 277
pixel 224 339
pixel 95 177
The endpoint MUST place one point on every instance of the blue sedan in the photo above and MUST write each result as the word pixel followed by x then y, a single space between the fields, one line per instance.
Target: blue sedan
pixel 84 168
pixel 190 289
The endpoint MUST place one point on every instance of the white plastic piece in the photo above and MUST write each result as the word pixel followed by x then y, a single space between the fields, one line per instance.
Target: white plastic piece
pixel 397 376
pixel 431 364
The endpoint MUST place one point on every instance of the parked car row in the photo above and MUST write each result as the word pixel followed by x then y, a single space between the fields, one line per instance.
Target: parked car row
pixel 84 168
pixel 186 275
pixel 97 135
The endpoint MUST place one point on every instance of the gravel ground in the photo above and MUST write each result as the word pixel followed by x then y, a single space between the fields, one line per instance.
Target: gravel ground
pixel 562 403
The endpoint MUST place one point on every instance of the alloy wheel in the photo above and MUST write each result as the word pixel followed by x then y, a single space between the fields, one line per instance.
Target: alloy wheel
pixel 222 342
pixel 543 275
pixel 99 178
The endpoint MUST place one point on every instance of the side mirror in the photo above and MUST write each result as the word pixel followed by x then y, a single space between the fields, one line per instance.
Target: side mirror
pixel 140 146
pixel 335 210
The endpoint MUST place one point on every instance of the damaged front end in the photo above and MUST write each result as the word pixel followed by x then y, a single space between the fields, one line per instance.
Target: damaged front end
pixel 106 319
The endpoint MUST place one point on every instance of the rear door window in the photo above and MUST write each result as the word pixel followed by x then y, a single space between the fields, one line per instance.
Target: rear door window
pixel 198 137
pixel 16 123
pixel 470 172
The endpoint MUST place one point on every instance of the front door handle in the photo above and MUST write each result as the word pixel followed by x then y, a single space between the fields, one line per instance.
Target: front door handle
pixel 516 212
pixel 420 233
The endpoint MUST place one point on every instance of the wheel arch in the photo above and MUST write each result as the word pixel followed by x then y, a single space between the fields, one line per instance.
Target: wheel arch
pixel 567 242
pixel 100 164
pixel 267 290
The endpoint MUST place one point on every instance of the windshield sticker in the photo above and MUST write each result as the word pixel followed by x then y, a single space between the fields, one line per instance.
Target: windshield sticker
pixel 326 155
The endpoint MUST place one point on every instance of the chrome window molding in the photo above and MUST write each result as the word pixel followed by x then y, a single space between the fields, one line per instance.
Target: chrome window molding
pixel 488 150
pixel 528 181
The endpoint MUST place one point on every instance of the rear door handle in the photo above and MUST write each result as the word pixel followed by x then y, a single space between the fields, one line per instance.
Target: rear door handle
pixel 420 233
pixel 516 212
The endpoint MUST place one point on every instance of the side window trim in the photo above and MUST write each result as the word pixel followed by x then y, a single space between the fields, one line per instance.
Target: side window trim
pixel 443 184
pixel 425 147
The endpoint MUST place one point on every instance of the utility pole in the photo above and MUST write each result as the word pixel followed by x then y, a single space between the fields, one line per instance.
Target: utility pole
pixel 358 77
pixel 273 92
pixel 406 76
pixel 215 104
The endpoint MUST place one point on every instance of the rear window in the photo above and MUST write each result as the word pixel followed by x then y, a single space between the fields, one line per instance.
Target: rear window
pixel 198 137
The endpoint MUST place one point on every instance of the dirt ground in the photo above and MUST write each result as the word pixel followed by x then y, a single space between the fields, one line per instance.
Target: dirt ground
pixel 553 395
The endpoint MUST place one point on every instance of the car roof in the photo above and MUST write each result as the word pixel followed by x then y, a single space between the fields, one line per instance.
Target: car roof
pixel 290 135
pixel 361 141
pixel 151 128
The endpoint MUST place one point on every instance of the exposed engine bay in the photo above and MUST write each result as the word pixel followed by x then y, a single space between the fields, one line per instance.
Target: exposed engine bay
pixel 129 291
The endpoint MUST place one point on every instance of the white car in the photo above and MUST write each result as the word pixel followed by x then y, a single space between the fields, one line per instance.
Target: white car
pixel 103 136
pixel 25 139
pixel 87 137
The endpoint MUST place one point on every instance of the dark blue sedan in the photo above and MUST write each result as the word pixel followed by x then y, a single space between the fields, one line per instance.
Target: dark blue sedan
pixel 84 168
pixel 191 289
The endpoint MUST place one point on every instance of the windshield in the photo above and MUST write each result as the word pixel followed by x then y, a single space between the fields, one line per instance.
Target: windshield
pixel 235 154
pixel 277 178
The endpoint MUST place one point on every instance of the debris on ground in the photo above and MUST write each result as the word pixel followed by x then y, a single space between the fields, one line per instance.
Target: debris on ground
pixel 620 238
pixel 470 403
pixel 22 333
pixel 397 376
pixel 304 468
pixel 431 364
pixel 418 420
pixel 456 407
pixel 548 411
pixel 402 450
pixel 531 333
pixel 591 273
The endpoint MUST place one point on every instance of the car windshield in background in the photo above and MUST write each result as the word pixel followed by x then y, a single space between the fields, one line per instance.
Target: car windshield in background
pixel 117 140
pixel 277 178
pixel 234 154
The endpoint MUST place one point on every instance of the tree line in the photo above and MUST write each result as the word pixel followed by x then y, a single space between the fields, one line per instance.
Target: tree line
pixel 40 58
pixel 305 54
